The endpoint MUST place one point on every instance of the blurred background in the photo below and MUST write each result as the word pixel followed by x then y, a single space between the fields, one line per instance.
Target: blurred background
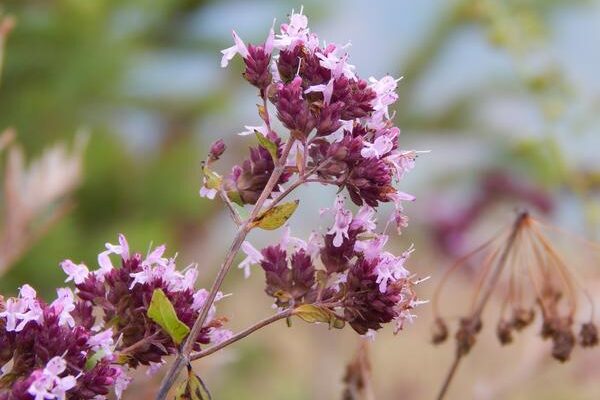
pixel 114 103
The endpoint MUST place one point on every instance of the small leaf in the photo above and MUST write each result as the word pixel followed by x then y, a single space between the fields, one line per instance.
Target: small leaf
pixel 192 388
pixel 276 216
pixel 93 360
pixel 311 313
pixel 213 180
pixel 268 145
pixel 163 313
pixel 235 197
pixel 336 323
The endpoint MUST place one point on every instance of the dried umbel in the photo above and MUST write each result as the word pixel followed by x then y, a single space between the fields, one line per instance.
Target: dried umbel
pixel 81 345
pixel 531 277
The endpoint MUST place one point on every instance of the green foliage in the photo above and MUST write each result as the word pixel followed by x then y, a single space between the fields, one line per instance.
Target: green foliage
pixel 163 313
pixel 277 216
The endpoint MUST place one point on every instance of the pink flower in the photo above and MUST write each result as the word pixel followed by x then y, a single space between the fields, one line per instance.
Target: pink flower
pixel 218 336
pixel 238 48
pixel 253 256
pixel 337 65
pixel 371 249
pixel 122 249
pixel 24 309
pixel 296 32
pixel 386 92
pixel 64 304
pixel 343 218
pixel 102 341
pixel 380 146
pixel 13 311
pixel 154 367
pixel 206 192
pixel 75 272
pixel 122 381
pixel 365 219
pixel 48 384
pixel 251 130
pixel 327 90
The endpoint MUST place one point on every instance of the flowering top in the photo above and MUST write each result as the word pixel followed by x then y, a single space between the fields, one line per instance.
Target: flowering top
pixel 341 123
pixel 358 281
pixel 340 133
pixel 81 344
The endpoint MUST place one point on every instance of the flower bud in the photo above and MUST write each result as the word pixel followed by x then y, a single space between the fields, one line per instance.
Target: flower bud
pixel 216 150
pixel 588 335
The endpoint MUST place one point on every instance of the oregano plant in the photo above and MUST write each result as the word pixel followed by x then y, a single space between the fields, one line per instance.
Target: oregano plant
pixel 318 123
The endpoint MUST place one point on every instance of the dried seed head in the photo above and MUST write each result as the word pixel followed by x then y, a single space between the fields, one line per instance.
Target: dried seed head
pixel 563 339
pixel 522 317
pixel 504 331
pixel 439 331
pixel 466 335
pixel 588 335
pixel 548 327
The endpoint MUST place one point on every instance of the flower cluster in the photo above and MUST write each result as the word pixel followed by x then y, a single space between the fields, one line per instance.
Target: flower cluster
pixel 356 281
pixel 82 344
pixel 340 134
pixel 340 124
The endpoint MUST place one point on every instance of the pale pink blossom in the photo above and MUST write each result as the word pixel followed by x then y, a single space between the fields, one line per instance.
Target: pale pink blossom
pixel 337 65
pixel 253 256
pixel 102 341
pixel 75 272
pixel 218 336
pixel 207 192
pixel 365 219
pixel 154 367
pixel 327 90
pixel 122 381
pixel 342 220
pixel 238 48
pixel 380 146
pixel 371 249
pixel 48 384
pixel 64 305
pixel 251 130
pixel 385 88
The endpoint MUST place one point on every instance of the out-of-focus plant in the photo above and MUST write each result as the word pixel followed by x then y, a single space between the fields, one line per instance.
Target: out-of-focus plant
pixel 358 383
pixel 36 196
pixel 539 280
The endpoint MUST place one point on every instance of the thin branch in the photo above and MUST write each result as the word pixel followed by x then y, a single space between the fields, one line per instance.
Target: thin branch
pixel 183 358
pixel 522 219
pixel 261 324
pixel 232 211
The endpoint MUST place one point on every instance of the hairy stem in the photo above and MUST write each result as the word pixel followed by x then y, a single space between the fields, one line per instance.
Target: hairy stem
pixel 183 357
pixel 261 324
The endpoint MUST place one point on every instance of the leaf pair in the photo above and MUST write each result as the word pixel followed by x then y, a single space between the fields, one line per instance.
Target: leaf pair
pixel 311 313
pixel 193 388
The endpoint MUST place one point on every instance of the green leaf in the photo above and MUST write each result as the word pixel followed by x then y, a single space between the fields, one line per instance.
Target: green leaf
pixel 93 360
pixel 311 313
pixel 163 313
pixel 276 216
pixel 192 388
pixel 213 180
pixel 268 145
